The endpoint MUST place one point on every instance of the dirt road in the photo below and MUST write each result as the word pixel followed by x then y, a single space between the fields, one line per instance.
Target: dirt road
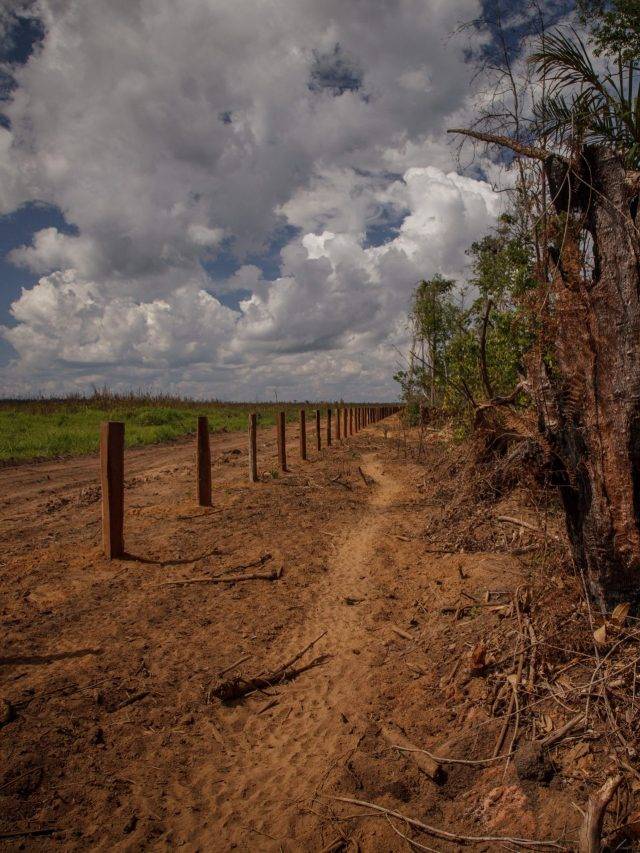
pixel 117 743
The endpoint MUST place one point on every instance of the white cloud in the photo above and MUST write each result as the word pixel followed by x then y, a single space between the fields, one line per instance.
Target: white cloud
pixel 167 138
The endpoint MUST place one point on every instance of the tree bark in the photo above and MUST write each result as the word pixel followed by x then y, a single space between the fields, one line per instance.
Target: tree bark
pixel 595 372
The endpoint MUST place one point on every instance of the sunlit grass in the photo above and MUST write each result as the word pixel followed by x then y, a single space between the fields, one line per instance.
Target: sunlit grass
pixel 44 429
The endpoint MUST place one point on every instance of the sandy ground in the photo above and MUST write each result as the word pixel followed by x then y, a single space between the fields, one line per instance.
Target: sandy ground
pixel 116 741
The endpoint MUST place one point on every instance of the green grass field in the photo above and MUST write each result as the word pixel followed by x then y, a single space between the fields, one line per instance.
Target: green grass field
pixel 45 429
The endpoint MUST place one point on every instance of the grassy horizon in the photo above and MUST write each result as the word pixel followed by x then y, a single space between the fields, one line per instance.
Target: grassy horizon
pixel 62 427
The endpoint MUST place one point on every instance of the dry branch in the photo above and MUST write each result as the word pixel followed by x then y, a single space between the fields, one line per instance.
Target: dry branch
pixel 452 836
pixel 401 633
pixel 520 523
pixel 591 830
pixel 364 477
pixel 554 737
pixel 424 761
pixel 273 575
pixel 512 144
pixel 236 688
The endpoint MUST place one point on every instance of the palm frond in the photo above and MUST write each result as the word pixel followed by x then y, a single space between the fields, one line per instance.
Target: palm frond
pixel 584 103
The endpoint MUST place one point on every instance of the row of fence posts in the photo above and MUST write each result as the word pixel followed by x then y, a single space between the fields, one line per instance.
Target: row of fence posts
pixel 349 420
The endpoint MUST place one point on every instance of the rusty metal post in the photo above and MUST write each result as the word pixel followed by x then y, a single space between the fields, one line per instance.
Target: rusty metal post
pixel 253 448
pixel 112 482
pixel 203 462
pixel 303 434
pixel 282 449
pixel 318 432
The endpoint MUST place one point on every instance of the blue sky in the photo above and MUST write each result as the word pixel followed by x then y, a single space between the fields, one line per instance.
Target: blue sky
pixel 247 203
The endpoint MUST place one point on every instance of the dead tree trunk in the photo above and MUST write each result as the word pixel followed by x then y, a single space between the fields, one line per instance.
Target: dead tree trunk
pixel 595 371
pixel 589 413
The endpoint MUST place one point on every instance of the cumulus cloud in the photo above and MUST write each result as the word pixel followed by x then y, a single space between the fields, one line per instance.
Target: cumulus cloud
pixel 174 140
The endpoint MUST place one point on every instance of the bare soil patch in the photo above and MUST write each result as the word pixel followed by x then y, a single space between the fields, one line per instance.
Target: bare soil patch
pixel 116 741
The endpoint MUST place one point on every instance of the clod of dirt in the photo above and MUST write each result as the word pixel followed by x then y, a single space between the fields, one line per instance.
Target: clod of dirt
pixel 7 712
pixel 531 762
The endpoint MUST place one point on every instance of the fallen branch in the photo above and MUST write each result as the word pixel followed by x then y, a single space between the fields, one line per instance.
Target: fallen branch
pixel 425 762
pixel 591 830
pixel 262 559
pixel 339 482
pixel 236 688
pixel 233 665
pixel 555 737
pixel 27 833
pixel 451 836
pixel 401 633
pixel 512 701
pixel 130 700
pixel 362 474
pixel 273 575
pixel 520 523
pixel 443 759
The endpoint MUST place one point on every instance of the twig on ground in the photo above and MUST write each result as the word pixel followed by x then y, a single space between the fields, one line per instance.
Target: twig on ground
pixel 273 575
pixel 425 762
pixel 27 833
pixel 591 829
pixel 452 836
pixel 142 694
pixel 574 723
pixel 520 523
pixel 443 759
pixel 362 474
pixel 240 686
pixel 401 633
pixel 233 665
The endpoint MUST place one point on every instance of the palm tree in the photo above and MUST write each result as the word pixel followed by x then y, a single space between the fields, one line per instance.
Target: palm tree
pixel 587 103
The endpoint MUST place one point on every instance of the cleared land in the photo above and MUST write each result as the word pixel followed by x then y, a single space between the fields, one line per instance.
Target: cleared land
pixel 118 740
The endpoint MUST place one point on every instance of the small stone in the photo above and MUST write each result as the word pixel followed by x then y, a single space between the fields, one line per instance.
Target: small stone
pixel 531 763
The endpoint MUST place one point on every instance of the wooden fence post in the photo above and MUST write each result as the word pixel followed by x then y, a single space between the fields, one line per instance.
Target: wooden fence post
pixel 253 448
pixel 350 420
pixel 338 431
pixel 318 432
pixel 112 481
pixel 345 422
pixel 282 449
pixel 328 427
pixel 203 462
pixel 303 434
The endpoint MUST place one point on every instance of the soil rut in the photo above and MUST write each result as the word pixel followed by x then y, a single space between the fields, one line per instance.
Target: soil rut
pixel 279 760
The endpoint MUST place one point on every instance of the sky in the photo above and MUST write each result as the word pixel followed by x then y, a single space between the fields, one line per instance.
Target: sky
pixel 231 200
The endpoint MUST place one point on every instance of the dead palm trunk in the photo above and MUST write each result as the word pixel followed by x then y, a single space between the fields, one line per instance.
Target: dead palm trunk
pixel 592 421
pixel 596 337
